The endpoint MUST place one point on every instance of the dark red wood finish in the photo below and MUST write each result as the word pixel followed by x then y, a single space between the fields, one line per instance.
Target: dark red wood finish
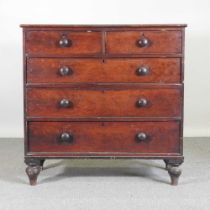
pixel 126 42
pixel 47 70
pixel 105 137
pixel 103 87
pixel 161 102
pixel 46 43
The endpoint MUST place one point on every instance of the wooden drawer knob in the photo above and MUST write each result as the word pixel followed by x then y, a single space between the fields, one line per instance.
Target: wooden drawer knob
pixel 63 71
pixel 143 42
pixel 141 136
pixel 65 103
pixel 65 42
pixel 66 137
pixel 142 71
pixel 142 102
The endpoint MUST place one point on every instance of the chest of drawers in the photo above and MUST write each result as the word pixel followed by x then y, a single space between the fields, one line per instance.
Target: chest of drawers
pixel 103 92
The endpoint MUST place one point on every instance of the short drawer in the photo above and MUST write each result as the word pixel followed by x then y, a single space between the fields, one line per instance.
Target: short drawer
pixel 130 138
pixel 139 70
pixel 122 102
pixel 64 43
pixel 139 42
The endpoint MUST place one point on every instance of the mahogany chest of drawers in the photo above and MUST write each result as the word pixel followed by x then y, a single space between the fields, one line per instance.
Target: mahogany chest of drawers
pixel 103 92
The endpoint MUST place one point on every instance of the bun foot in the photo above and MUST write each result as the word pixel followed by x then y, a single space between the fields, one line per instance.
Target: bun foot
pixel 33 172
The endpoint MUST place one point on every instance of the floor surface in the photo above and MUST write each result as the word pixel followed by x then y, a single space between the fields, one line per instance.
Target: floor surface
pixel 105 184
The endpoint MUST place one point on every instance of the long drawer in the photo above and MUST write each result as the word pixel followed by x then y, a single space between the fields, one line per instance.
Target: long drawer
pixel 139 70
pixel 126 138
pixel 102 102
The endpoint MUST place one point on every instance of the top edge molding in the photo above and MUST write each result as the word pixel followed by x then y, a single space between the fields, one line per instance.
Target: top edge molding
pixel 103 26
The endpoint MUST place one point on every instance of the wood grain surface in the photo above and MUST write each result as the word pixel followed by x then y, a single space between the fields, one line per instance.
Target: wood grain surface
pixel 160 70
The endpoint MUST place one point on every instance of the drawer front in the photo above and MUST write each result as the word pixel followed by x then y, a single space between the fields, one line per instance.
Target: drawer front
pixel 142 70
pixel 133 102
pixel 107 137
pixel 138 42
pixel 45 43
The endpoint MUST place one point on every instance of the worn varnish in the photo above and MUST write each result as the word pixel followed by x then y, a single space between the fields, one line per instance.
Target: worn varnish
pixel 104 137
pixel 158 70
pixel 103 91
pixel 126 42
pixel 47 43
pixel 104 103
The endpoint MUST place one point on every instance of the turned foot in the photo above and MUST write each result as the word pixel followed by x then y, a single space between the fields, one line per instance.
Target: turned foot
pixel 33 169
pixel 174 171
pixel 33 172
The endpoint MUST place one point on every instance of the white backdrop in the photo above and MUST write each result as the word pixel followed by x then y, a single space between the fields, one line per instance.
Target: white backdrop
pixel 197 69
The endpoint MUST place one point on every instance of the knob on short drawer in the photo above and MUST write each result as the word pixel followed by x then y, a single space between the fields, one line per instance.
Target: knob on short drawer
pixel 143 42
pixel 63 71
pixel 142 102
pixel 141 136
pixel 65 103
pixel 66 137
pixel 142 71
pixel 65 42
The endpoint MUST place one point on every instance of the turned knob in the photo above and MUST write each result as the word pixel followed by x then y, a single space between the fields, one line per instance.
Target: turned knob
pixel 65 42
pixel 66 137
pixel 65 103
pixel 141 136
pixel 65 71
pixel 142 71
pixel 142 102
pixel 143 42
